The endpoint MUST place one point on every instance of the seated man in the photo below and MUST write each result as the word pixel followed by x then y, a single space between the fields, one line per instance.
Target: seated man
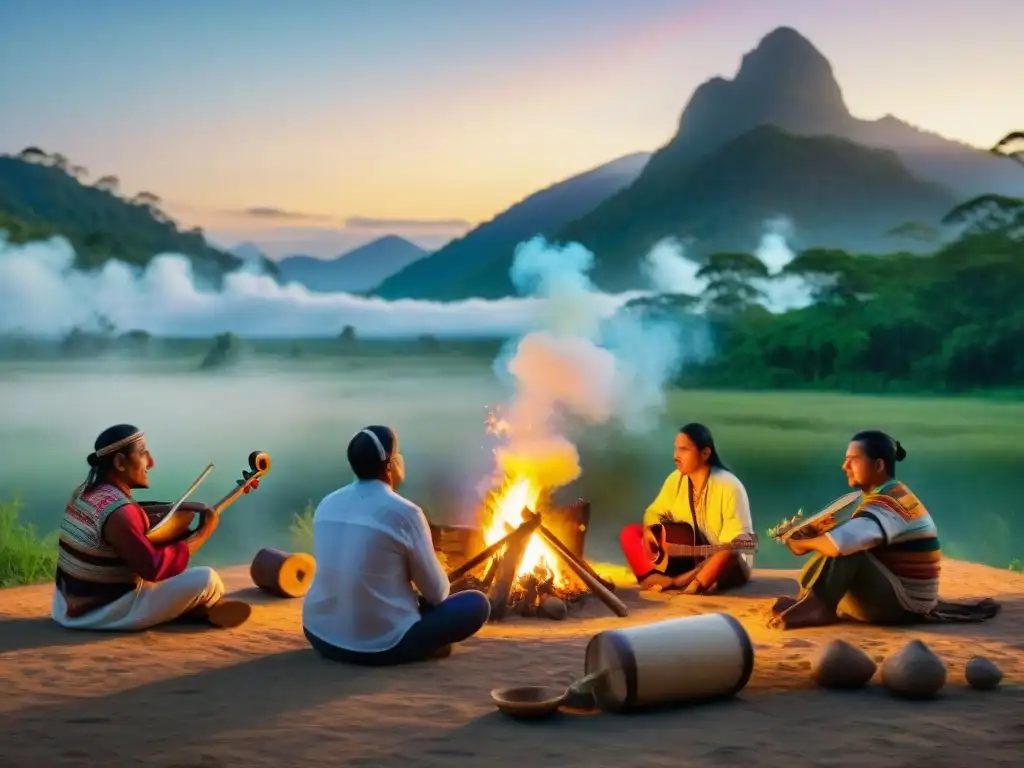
pixel 882 565
pixel 716 508
pixel 372 546
pixel 109 575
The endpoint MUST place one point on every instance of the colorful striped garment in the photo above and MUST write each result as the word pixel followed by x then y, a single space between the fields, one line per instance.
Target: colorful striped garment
pixel 911 554
pixel 88 568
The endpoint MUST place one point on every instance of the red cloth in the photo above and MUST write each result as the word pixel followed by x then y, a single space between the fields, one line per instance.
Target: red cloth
pixel 125 531
pixel 631 539
pixel 722 568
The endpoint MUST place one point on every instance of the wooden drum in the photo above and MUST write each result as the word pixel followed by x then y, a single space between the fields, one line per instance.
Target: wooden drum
pixel 670 662
pixel 281 573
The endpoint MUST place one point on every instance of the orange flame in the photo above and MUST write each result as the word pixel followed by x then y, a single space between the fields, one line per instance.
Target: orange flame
pixel 504 507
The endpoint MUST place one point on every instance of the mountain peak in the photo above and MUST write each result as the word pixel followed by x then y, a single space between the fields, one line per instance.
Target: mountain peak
pixel 788 66
pixel 389 240
pixel 785 80
pixel 786 41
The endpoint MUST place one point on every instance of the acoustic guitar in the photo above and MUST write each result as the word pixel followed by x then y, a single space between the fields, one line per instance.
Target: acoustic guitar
pixel 672 539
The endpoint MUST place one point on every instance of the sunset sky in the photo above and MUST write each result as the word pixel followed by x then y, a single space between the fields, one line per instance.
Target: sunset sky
pixel 338 121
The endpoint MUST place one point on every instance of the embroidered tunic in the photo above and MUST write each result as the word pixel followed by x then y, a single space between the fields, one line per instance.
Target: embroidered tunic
pixel 90 571
pixel 905 543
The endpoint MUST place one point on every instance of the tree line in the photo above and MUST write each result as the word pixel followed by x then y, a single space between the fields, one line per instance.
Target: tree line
pixel 43 194
pixel 948 321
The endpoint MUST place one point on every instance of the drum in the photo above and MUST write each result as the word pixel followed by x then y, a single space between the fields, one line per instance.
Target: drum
pixel 670 662
pixel 281 573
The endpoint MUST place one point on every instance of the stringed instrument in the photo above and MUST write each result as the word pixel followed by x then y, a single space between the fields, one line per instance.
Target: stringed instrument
pixel 176 524
pixel 799 527
pixel 676 539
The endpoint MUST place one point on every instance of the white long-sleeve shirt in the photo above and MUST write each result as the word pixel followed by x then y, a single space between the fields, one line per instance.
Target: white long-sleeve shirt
pixel 371 546
pixel 856 535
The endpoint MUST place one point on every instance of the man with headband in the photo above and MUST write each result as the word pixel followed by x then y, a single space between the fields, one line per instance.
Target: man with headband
pixel 380 595
pixel 109 575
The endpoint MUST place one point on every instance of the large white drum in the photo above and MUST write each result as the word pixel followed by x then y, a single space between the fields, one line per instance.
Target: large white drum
pixel 670 662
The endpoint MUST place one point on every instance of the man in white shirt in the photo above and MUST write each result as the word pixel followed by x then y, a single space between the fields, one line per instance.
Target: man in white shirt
pixel 372 547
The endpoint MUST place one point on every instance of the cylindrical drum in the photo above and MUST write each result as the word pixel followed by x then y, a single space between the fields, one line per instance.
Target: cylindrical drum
pixel 670 662
pixel 281 573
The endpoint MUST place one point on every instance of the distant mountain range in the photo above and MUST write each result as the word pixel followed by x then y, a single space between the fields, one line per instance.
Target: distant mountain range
pixel 360 270
pixel 777 139
pixel 448 273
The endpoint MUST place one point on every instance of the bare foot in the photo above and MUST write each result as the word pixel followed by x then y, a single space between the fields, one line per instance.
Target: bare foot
pixel 783 604
pixel 685 581
pixel 809 611
pixel 656 582
pixel 696 588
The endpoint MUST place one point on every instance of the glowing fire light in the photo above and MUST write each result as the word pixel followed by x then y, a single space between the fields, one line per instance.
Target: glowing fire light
pixel 504 511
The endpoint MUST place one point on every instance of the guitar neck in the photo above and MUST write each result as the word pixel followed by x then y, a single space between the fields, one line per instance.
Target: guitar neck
pixel 704 550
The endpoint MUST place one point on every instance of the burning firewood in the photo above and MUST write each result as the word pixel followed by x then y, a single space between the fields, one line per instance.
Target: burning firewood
pixel 512 558
pixel 533 586
pixel 529 604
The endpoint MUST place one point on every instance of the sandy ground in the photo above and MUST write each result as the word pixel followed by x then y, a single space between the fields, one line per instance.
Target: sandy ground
pixel 257 696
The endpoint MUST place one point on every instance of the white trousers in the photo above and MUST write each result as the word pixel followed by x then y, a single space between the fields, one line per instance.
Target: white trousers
pixel 149 605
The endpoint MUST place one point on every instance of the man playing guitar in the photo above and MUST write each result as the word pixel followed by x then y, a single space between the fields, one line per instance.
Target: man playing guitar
pixel 697 535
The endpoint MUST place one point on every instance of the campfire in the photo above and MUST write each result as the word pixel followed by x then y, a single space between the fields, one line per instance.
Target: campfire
pixel 526 554
pixel 529 557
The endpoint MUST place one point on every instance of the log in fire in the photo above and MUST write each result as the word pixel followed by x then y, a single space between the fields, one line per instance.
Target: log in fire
pixel 536 568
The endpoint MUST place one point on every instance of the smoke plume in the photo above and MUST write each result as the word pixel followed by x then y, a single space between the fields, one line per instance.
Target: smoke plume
pixel 582 365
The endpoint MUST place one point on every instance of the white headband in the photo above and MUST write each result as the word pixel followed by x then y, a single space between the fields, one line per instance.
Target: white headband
pixel 124 442
pixel 376 441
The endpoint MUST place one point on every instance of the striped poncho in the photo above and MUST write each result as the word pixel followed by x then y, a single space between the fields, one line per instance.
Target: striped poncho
pixel 910 554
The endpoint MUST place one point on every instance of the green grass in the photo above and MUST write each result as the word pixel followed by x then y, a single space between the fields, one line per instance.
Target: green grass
pixel 301 529
pixel 25 556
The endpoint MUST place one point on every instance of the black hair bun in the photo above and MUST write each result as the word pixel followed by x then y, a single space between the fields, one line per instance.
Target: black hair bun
pixel 91 459
pixel 901 452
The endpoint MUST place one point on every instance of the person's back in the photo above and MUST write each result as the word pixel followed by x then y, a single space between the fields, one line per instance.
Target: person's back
pixel 374 551
pixel 365 538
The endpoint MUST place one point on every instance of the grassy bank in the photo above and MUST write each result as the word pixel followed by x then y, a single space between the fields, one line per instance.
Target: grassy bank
pixel 26 557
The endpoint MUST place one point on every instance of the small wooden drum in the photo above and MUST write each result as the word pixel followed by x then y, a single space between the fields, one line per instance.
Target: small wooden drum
pixel 670 662
pixel 281 573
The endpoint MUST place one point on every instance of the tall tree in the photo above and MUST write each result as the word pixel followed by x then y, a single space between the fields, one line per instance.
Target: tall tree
pixel 108 183
pixel 732 281
pixel 33 155
pixel 1011 146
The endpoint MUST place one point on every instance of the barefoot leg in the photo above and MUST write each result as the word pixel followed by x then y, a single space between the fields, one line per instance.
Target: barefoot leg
pixel 808 611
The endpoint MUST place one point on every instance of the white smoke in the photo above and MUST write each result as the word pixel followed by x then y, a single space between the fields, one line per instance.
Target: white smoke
pixel 584 365
pixel 40 293
pixel 598 368
pixel 667 268
pixel 781 292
